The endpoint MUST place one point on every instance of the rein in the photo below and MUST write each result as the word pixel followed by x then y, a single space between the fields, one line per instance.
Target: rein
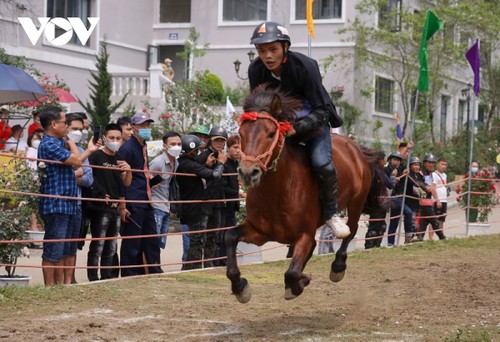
pixel 279 139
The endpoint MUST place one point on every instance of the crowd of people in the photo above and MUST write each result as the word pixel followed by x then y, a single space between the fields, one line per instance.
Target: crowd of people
pixel 136 198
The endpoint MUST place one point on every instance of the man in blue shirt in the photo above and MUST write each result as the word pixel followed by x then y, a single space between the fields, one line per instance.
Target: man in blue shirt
pixel 57 180
pixel 138 217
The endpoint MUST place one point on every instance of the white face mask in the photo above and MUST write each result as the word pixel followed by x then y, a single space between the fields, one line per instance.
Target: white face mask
pixel 474 169
pixel 75 136
pixel 113 145
pixel 85 135
pixel 174 151
pixel 35 143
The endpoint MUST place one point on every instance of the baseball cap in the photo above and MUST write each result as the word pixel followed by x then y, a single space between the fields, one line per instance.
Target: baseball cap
pixel 140 117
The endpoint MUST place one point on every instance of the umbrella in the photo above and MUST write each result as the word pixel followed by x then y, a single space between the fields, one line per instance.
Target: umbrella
pixel 16 85
pixel 62 94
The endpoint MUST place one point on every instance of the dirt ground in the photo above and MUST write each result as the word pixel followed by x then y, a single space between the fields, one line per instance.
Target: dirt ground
pixel 432 291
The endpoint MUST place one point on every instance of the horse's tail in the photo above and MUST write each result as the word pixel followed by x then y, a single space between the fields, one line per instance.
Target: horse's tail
pixel 377 200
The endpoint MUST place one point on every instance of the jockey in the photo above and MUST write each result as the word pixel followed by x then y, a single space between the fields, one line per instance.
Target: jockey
pixel 299 75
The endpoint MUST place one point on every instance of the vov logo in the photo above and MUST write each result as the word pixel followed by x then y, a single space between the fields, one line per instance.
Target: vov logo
pixel 48 26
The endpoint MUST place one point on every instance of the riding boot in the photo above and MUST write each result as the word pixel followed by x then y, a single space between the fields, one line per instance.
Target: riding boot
pixel 327 180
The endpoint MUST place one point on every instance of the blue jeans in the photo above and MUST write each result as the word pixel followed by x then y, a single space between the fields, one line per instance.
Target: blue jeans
pixel 56 226
pixel 185 241
pixel 73 232
pixel 408 220
pixel 162 219
pixel 319 148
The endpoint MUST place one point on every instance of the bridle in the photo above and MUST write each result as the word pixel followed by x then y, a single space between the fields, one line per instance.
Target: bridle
pixel 279 140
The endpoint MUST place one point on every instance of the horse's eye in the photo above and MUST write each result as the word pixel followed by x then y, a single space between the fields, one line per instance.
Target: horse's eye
pixel 271 135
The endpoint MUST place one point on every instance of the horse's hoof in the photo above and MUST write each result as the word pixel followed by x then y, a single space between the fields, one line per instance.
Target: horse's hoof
pixel 289 295
pixel 245 295
pixel 336 276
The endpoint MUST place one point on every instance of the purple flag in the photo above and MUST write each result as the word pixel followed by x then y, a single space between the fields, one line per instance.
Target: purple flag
pixel 475 63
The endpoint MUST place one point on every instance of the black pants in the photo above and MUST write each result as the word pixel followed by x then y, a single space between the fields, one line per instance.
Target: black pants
pixel 428 210
pixel 376 230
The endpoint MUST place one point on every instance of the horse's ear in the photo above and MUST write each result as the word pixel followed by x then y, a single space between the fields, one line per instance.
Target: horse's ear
pixel 276 104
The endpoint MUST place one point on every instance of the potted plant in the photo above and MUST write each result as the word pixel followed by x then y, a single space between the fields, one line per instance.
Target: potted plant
pixel 15 214
pixel 482 199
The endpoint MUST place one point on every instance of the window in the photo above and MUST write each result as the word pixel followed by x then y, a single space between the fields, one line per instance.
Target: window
pixel 70 8
pixel 482 110
pixel 244 10
pixel 462 105
pixel 175 11
pixel 384 92
pixel 390 15
pixel 322 9
pixel 445 100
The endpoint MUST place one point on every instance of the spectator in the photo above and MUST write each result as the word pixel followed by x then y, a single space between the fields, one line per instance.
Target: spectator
pixel 377 225
pixel 138 218
pixel 214 189
pixel 14 144
pixel 35 126
pixel 59 180
pixel 201 131
pixel 165 162
pixel 195 215
pixel 427 214
pixel 441 181
pixel 105 216
pixel 84 179
pixel 396 170
pixel 231 191
pixel 33 143
pixel 126 126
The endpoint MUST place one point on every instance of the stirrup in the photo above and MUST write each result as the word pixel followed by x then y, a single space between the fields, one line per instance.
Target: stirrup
pixel 340 229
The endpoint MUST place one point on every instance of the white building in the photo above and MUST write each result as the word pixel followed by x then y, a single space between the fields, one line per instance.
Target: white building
pixel 141 34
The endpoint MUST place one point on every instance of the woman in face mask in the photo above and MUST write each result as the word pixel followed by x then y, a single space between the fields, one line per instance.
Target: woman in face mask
pixel 474 167
pixel 32 152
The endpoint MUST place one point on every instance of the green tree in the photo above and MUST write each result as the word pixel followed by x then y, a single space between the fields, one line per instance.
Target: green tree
pixel 191 48
pixel 100 107
pixel 393 49
pixel 479 18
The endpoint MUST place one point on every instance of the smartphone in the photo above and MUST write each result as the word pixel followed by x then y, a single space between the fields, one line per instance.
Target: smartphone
pixel 216 154
pixel 97 134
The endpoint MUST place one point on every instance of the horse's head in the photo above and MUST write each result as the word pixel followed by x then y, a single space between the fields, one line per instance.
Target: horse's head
pixel 263 127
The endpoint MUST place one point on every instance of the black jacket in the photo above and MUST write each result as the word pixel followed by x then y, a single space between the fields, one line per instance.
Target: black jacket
pixel 192 188
pixel 231 188
pixel 215 186
pixel 301 78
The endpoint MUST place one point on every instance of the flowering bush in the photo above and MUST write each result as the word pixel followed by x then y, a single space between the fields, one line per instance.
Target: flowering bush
pixel 482 195
pixel 16 209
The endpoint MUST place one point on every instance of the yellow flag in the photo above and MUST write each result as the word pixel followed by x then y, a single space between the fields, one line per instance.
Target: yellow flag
pixel 309 15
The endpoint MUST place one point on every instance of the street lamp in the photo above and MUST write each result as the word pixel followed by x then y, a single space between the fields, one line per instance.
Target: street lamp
pixel 237 64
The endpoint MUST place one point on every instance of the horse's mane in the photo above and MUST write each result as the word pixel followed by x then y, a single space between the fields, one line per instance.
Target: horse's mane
pixel 262 97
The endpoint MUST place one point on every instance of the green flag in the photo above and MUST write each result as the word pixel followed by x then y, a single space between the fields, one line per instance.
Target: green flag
pixel 432 25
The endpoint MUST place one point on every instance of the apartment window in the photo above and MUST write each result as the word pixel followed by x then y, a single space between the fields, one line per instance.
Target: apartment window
pixel 70 8
pixel 462 107
pixel 390 15
pixel 384 93
pixel 175 11
pixel 481 114
pixel 244 10
pixel 445 100
pixel 322 9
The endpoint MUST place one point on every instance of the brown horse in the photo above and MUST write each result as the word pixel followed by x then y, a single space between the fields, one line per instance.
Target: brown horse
pixel 283 202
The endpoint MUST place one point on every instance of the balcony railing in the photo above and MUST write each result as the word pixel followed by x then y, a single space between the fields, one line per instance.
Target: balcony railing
pixel 137 84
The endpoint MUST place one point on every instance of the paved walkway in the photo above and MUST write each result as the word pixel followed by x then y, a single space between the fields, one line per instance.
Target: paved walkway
pixel 454 228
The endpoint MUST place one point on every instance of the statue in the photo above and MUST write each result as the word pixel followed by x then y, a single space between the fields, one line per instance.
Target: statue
pixel 168 71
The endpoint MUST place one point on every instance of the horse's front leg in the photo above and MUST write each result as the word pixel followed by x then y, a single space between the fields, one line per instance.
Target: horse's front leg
pixel 239 286
pixel 295 280
pixel 339 264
